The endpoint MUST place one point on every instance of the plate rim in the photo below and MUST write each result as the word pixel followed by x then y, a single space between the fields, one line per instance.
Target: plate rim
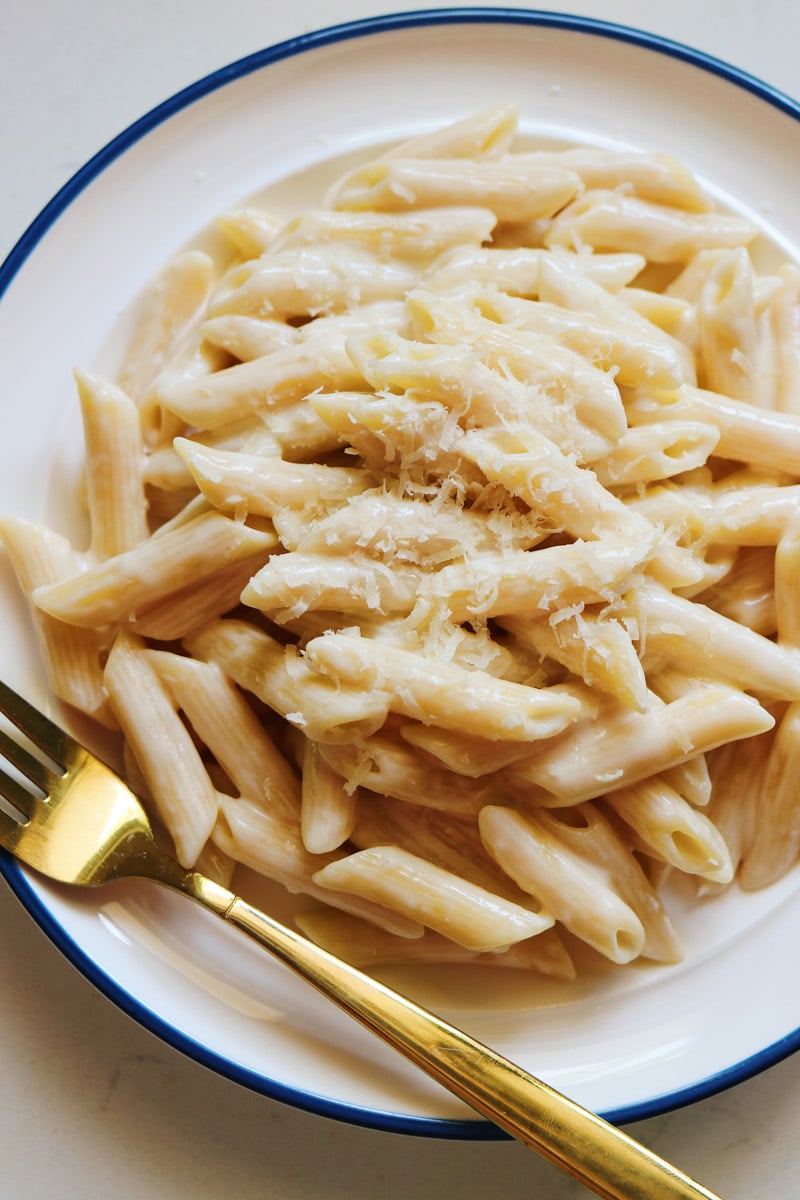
pixel 12 870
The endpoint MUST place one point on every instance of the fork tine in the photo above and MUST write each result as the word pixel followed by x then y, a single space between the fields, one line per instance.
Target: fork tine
pixel 17 795
pixel 52 740
pixel 10 830
pixel 32 768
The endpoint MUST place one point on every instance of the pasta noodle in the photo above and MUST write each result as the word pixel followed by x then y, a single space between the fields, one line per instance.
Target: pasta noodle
pixel 443 553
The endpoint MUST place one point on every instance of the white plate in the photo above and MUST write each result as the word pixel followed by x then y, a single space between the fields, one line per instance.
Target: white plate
pixel 632 1042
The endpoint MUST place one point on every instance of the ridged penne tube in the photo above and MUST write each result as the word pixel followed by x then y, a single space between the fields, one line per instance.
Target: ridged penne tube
pixel 787 600
pixel 114 461
pixel 251 230
pixel 465 754
pixel 291 584
pixel 441 694
pixel 254 434
pixel 673 830
pixel 274 381
pixel 442 838
pixel 418 235
pixel 681 510
pixel 174 301
pixel 727 327
pixel 536 582
pixel 273 847
pixel 241 483
pixel 197 360
pixel 659 451
pixel 387 526
pixel 444 902
pixel 670 314
pixel 752 516
pixel 608 340
pixel 749 515
pixel 515 187
pixel 614 221
pixel 588 835
pixel 187 610
pixel 114 589
pixel 736 772
pixel 516 270
pixel 691 780
pixel 401 436
pixel 595 647
pixel 535 469
pixel 584 411
pixel 746 433
pixel 488 133
pixel 465 647
pixel 706 643
pixel 572 887
pixel 170 763
pixel 386 766
pixel 72 657
pixel 560 284
pixel 688 283
pixel 328 809
pixel 293 432
pixel 279 676
pixel 248 337
pixel 595 757
pixel 365 946
pixel 310 280
pixel 476 393
pixel 227 725
pixel 775 844
pixel 659 178
pixel 362 318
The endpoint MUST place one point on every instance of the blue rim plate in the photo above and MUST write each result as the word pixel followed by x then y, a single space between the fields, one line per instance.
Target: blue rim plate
pixel 629 1046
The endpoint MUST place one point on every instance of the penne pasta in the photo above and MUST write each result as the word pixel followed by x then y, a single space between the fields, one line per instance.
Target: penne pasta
pixel 277 675
pixel 72 657
pixel 673 830
pixel 114 478
pixel 594 758
pixel 273 847
pixel 230 729
pixel 114 589
pixel 465 913
pixel 172 304
pixel 176 778
pixel 612 221
pixel 543 857
pixel 470 701
pixel 442 553
pixel 514 187
pixel 420 234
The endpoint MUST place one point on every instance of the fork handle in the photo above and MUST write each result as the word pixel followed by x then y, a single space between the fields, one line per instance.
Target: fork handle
pixel 588 1148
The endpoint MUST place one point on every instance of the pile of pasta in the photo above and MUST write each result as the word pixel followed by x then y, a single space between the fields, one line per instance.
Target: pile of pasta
pixel 444 551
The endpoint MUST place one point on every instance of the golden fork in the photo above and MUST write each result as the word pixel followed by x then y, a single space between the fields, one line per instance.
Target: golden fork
pixel 86 827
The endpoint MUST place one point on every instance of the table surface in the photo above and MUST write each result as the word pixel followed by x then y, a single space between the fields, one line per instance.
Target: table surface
pixel 91 1103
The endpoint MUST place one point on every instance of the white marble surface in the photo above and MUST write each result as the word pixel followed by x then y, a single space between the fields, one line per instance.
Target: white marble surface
pixel 91 1104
